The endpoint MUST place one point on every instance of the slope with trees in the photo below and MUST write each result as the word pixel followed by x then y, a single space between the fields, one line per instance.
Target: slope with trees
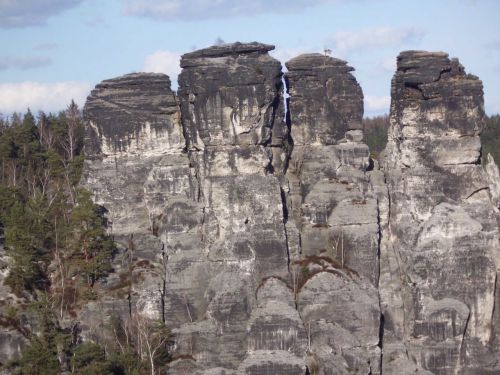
pixel 58 251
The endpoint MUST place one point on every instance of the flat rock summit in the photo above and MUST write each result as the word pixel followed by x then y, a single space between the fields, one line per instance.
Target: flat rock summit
pixel 259 228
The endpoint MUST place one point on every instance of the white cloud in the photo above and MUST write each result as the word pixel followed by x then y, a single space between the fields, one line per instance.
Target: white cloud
pixel 344 42
pixel 49 97
pixel 205 9
pixel 377 104
pixel 23 63
pixel 22 13
pixel 164 62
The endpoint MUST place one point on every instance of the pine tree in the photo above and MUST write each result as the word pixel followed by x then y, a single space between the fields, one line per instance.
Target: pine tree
pixel 24 244
pixel 92 248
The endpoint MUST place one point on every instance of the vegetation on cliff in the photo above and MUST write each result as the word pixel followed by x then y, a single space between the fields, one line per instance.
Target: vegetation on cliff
pixel 46 218
pixel 55 239
pixel 490 138
pixel 375 130
pixel 57 248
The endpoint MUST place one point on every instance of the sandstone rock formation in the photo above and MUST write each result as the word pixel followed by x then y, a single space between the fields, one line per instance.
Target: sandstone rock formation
pixel 136 167
pixel 231 110
pixel 439 255
pixel 334 210
pixel 271 243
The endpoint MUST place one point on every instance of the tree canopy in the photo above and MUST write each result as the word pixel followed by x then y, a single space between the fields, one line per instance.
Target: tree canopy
pixel 58 251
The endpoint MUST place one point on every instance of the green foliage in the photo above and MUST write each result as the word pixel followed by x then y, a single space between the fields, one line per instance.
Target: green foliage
pixel 48 328
pixel 141 343
pixel 89 358
pixel 75 168
pixel 375 132
pixel 92 249
pixel 42 212
pixel 24 236
pixel 126 363
pixel 58 248
pixel 53 349
pixel 40 357
pixel 490 138
pixel 9 196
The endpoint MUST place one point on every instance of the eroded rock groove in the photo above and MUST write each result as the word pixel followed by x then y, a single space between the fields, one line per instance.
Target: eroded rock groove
pixel 291 251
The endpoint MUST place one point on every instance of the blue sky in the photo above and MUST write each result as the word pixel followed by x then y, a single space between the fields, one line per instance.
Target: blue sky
pixel 56 50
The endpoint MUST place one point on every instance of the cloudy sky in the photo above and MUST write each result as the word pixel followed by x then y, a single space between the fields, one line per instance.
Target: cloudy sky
pixel 55 50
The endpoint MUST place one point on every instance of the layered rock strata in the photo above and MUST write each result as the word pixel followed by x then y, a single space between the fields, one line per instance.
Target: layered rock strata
pixel 439 254
pixel 333 208
pixel 137 169
pixel 232 114
pixel 274 244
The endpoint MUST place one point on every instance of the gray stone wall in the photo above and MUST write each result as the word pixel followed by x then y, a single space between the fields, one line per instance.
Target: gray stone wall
pixel 275 244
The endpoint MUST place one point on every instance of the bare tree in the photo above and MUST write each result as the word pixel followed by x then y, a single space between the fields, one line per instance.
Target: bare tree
pixel 335 248
pixel 186 303
pixel 58 258
pixel 68 182
pixel 162 286
pixel 152 337
pixel 74 123
pixel 46 135
pixel 308 336
pixel 12 169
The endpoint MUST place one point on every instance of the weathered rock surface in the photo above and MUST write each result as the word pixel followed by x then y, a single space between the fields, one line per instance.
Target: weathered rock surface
pixel 140 114
pixel 332 201
pixel 440 250
pixel 208 223
pixel 333 207
pixel 342 318
pixel 230 95
pixel 326 99
pixel 137 169
pixel 232 114
pixel 273 244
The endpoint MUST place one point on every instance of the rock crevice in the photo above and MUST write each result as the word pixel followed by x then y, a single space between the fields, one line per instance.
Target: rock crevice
pixel 443 226
pixel 282 246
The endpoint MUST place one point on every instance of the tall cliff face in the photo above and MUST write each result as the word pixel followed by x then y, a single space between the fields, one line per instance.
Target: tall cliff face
pixel 273 246
pixel 137 169
pixel 230 104
pixel 439 254
pixel 334 213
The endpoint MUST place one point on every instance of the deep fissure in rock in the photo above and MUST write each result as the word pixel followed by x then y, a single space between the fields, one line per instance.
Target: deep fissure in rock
pixel 247 210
